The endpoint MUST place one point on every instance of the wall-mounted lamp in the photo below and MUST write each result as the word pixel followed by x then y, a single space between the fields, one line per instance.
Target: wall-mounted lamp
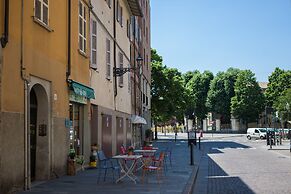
pixel 119 71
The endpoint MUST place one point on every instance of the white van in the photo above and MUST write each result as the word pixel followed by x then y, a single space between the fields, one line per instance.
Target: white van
pixel 256 133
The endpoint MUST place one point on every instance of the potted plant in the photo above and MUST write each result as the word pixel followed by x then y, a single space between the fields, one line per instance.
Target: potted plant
pixel 72 154
pixel 130 150
pixel 71 162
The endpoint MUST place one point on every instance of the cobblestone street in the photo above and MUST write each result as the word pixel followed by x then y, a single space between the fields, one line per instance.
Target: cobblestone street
pixel 236 165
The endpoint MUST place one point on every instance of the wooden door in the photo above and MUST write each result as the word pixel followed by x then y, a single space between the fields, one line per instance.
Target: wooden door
pixel 107 135
pixel 94 124
pixel 119 133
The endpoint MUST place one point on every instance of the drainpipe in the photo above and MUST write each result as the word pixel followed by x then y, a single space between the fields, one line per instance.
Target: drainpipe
pixel 134 62
pixel 114 49
pixel 26 107
pixel 4 38
pixel 68 73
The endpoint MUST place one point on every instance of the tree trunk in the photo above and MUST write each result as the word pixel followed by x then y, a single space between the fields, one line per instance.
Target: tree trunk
pixel 165 129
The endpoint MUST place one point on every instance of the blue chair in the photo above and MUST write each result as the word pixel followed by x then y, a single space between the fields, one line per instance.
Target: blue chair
pixel 105 164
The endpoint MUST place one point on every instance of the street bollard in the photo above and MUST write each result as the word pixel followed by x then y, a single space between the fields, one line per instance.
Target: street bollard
pixel 270 142
pixel 199 141
pixel 191 154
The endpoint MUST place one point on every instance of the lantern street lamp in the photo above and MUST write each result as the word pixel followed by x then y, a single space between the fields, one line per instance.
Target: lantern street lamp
pixel 119 71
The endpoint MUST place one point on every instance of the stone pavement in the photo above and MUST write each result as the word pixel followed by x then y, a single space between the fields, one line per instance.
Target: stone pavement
pixel 179 178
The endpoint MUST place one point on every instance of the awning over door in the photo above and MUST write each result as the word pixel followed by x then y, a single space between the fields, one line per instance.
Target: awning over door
pixel 82 90
pixel 135 119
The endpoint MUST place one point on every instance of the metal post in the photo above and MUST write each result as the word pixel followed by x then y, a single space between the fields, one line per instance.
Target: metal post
pixel 270 141
pixel 199 143
pixel 191 154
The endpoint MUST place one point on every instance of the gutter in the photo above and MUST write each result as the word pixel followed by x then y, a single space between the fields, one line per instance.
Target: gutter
pixel 114 49
pixel 68 73
pixel 4 38
pixel 27 183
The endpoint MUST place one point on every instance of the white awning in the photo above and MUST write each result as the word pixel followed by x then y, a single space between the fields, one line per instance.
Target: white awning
pixel 135 119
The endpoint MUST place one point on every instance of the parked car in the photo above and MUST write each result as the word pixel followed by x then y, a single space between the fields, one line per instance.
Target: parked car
pixel 256 133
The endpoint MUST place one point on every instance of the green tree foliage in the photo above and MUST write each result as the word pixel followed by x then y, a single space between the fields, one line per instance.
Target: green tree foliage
pixel 197 89
pixel 156 57
pixel 188 100
pixel 167 91
pixel 283 105
pixel 220 93
pixel 248 101
pixel 279 81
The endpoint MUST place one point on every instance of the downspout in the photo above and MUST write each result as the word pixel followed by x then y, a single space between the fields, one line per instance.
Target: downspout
pixel 4 38
pixel 68 73
pixel 114 50
pixel 134 62
pixel 26 107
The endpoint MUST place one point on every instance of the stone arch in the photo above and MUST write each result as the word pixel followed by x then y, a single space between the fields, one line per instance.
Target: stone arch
pixel 39 130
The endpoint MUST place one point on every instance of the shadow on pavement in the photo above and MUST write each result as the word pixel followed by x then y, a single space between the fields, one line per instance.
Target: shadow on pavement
pixel 212 179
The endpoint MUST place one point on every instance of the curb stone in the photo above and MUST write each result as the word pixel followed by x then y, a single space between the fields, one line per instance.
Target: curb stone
pixel 191 182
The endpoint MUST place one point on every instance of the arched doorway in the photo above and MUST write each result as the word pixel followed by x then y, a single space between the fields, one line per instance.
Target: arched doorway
pixel 39 133
pixel 33 124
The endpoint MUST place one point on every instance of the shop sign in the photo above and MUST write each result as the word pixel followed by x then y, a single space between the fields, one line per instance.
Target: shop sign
pixel 77 98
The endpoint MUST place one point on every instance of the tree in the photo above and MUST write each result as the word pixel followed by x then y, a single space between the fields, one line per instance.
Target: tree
pixel 248 101
pixel 283 105
pixel 197 89
pixel 220 93
pixel 167 92
pixel 189 110
pixel 279 81
pixel 155 57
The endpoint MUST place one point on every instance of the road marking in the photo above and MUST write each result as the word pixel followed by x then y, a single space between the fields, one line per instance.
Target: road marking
pixel 238 148
pixel 227 176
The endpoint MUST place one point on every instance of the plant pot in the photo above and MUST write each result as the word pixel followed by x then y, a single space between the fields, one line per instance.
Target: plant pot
pixel 71 167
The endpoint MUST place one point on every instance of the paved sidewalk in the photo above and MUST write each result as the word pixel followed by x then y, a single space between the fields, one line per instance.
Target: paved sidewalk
pixel 179 177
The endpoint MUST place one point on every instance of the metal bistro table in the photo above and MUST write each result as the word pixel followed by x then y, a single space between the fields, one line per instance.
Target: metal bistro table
pixel 146 155
pixel 127 170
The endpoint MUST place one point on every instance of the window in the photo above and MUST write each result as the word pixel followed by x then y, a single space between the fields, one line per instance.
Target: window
pixel 147 62
pixel 82 27
pixel 108 3
pixel 108 66
pixel 120 66
pixel 94 45
pixel 121 18
pixel 128 28
pixel 41 10
pixel 119 12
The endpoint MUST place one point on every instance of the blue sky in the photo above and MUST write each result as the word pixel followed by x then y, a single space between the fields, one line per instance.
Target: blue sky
pixel 217 34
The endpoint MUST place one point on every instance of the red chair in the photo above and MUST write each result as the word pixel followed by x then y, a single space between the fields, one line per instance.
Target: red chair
pixel 147 148
pixel 157 165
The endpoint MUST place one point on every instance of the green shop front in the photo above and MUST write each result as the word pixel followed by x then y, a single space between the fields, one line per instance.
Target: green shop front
pixel 78 125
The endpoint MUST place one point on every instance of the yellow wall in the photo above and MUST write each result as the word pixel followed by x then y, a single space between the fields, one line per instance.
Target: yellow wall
pixel 80 63
pixel 44 55
pixel 1 16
